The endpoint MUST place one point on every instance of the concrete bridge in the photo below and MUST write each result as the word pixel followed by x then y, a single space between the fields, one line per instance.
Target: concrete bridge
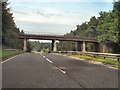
pixel 81 41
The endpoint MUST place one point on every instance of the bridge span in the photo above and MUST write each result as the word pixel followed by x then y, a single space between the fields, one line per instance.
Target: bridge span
pixel 81 41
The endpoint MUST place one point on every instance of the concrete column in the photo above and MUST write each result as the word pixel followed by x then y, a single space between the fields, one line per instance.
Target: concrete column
pixel 84 47
pixel 104 49
pixel 54 45
pixel 25 45
pixel 79 46
pixel 96 47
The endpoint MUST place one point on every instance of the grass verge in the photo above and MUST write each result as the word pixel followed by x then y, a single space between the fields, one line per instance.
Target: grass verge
pixel 6 53
pixel 109 61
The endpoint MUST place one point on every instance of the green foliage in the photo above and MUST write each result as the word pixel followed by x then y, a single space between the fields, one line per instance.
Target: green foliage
pixel 29 49
pixel 46 50
pixel 108 28
pixel 66 46
pixel 6 53
pixel 37 46
pixel 105 28
pixel 45 46
pixel 110 61
pixel 9 29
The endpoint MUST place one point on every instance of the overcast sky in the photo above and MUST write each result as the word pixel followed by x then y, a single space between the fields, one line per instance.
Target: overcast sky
pixel 55 16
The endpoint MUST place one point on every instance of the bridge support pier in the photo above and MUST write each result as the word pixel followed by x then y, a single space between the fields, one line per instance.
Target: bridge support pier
pixel 54 45
pixel 25 45
pixel 79 46
pixel 84 46
pixel 96 47
pixel 104 48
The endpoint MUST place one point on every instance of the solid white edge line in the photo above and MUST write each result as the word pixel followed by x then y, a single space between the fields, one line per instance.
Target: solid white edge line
pixel 9 59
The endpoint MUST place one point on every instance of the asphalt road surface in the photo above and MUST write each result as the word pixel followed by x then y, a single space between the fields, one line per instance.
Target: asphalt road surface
pixel 44 70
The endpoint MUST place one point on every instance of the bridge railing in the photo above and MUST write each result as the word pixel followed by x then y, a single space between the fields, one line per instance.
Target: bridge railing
pixel 93 54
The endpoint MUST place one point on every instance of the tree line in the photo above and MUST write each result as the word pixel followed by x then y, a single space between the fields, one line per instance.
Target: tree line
pixel 40 46
pixel 105 28
pixel 10 31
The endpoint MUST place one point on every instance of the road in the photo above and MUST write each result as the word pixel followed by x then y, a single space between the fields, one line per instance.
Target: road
pixel 44 70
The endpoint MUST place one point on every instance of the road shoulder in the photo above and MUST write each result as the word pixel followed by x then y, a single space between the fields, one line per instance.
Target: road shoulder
pixel 89 61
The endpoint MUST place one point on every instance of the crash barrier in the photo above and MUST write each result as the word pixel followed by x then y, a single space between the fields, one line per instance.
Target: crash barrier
pixel 93 54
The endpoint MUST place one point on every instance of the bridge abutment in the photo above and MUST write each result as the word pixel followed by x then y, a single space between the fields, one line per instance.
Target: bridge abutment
pixel 54 48
pixel 25 45
pixel 104 48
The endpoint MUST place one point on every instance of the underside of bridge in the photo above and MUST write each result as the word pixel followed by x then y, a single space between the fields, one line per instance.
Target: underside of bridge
pixel 81 46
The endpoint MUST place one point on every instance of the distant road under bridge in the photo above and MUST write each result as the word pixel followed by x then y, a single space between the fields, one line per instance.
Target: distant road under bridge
pixel 81 41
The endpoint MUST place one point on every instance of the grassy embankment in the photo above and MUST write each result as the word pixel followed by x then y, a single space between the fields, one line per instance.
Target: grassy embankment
pixel 6 53
pixel 110 61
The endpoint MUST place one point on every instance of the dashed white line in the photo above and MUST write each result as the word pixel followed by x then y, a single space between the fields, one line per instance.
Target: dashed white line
pixel 62 71
pixel 44 57
pixel 9 59
pixel 49 60
pixel 52 62
pixel 41 54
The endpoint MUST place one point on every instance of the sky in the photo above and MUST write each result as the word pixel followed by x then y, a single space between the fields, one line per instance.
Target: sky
pixel 55 16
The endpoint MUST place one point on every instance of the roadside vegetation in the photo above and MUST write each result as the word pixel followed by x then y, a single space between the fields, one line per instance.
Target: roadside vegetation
pixel 105 28
pixel 10 30
pixel 109 61
pixel 6 53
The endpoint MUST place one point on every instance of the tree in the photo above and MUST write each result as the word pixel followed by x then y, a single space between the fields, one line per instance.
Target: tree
pixel 106 28
pixel 9 29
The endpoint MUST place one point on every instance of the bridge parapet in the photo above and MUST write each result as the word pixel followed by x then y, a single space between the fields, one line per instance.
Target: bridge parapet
pixel 57 37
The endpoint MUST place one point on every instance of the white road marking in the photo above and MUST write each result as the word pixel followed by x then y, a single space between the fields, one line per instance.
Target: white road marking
pixel 49 60
pixel 44 57
pixel 52 62
pixel 41 54
pixel 9 59
pixel 62 71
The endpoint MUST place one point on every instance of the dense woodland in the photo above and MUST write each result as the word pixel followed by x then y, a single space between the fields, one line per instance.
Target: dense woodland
pixel 9 29
pixel 106 28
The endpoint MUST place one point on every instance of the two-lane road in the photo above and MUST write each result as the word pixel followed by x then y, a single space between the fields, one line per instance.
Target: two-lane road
pixel 55 71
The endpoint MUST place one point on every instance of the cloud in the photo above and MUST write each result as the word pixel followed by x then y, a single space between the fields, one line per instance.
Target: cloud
pixel 47 14
pixel 53 17
pixel 50 15
pixel 45 28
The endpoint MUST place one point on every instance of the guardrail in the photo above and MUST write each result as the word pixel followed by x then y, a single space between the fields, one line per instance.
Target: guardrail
pixel 93 54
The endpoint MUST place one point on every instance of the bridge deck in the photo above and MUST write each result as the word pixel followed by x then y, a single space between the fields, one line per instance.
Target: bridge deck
pixel 60 38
